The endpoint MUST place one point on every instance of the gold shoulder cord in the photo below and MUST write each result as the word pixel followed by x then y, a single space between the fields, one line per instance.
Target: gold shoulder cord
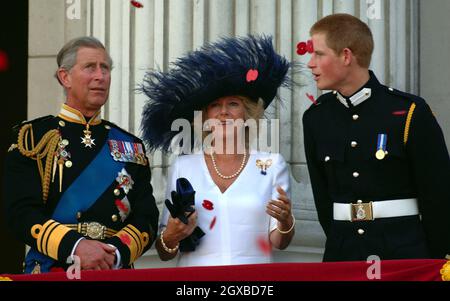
pixel 45 149
pixel 408 123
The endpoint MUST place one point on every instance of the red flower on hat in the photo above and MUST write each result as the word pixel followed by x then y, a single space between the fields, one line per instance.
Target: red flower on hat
pixel 208 205
pixel 252 75
pixel 137 4
pixel 213 223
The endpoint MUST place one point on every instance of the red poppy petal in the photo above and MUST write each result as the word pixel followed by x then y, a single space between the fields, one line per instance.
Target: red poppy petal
pixel 301 48
pixel 309 46
pixel 213 223
pixel 264 245
pixel 311 97
pixel 208 205
pixel 137 4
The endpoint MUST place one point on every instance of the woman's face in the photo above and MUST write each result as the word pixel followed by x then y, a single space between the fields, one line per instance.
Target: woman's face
pixel 227 112
pixel 228 107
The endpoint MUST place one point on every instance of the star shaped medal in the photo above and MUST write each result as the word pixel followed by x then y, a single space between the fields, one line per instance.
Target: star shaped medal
pixel 87 140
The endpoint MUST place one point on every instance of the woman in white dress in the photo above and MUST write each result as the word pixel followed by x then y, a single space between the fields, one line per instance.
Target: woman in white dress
pixel 242 196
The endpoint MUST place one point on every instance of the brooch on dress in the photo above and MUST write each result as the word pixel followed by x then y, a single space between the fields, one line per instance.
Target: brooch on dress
pixel 263 165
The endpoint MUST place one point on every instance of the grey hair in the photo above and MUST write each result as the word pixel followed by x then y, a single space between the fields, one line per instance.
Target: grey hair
pixel 67 56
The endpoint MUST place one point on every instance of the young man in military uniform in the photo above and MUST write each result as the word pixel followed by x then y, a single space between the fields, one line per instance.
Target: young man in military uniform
pixel 378 162
pixel 76 184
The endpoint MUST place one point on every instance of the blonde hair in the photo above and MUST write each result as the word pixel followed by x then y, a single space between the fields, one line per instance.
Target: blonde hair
pixel 346 31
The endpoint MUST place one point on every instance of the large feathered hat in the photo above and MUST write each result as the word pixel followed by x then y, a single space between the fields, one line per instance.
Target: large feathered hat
pixel 223 68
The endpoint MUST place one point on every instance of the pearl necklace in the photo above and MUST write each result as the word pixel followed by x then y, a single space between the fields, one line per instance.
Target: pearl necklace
pixel 233 175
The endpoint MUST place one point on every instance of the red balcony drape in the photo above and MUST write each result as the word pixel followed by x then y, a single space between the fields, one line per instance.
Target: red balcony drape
pixel 390 270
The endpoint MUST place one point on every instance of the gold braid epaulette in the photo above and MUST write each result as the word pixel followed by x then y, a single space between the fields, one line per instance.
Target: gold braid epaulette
pixel 44 149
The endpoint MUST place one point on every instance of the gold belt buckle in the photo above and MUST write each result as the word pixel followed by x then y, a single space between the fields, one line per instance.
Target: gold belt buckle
pixel 361 212
pixel 94 230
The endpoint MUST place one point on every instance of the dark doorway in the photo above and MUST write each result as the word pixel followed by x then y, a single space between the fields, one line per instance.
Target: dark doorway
pixel 13 95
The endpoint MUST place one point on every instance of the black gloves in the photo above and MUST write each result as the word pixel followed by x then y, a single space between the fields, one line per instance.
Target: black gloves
pixel 183 201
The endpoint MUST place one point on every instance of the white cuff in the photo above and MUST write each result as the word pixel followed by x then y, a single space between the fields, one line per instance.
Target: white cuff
pixel 75 247
pixel 118 263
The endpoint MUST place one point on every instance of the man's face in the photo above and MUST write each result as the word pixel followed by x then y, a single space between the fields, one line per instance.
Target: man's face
pixel 326 66
pixel 87 83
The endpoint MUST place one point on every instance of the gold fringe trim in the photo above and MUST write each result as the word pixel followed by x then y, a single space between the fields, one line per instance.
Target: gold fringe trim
pixel 408 123
pixel 45 149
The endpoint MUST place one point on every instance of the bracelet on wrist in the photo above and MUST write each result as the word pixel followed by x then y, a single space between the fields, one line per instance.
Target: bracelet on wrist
pixel 167 249
pixel 290 229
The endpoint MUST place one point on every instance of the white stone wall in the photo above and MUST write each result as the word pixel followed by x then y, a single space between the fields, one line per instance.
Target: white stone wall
pixel 434 63
pixel 162 30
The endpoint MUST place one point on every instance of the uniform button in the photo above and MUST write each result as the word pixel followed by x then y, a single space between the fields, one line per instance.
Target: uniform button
pixel 65 142
pixel 114 218
pixel 327 158
pixel 116 192
pixel 355 117
pixel 361 231
pixel 62 123
pixel 68 164
pixel 107 127
pixel 391 89
pixel 359 201
pixel 78 215
pixel 356 174
pixel 334 92
pixel 354 143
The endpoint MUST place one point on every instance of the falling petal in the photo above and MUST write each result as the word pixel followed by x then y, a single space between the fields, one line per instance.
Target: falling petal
pixel 208 205
pixel 311 97
pixel 137 4
pixel 264 245
pixel 213 223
